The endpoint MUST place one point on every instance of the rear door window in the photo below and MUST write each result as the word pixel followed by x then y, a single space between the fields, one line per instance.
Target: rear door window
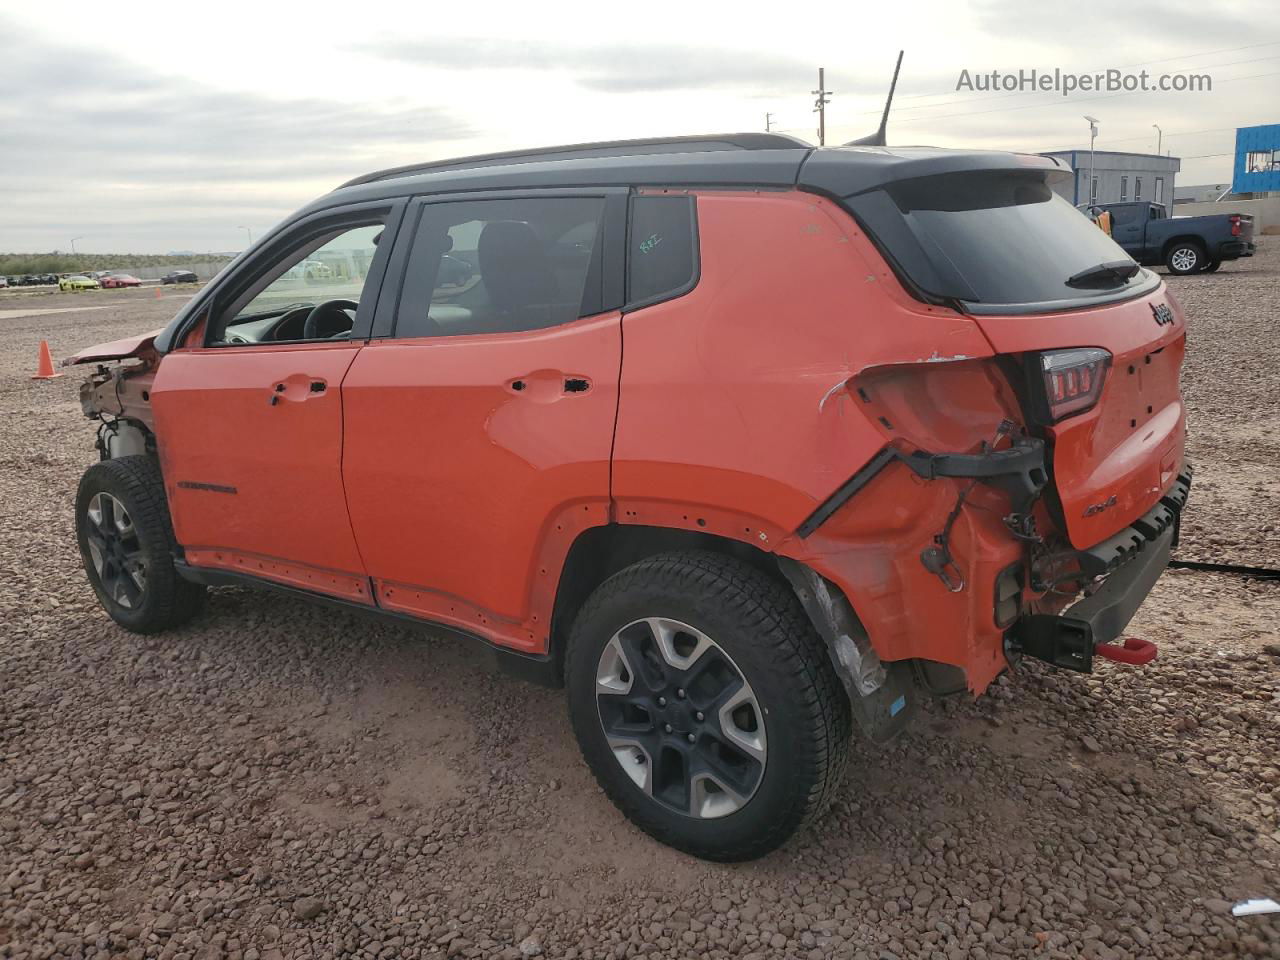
pixel 502 266
pixel 991 239
pixel 662 256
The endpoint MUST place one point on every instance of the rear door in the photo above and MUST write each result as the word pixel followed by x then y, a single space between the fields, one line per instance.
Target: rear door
pixel 479 426
pixel 1113 461
pixel 250 421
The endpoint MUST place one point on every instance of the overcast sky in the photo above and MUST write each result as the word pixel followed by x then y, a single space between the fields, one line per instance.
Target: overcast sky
pixel 150 127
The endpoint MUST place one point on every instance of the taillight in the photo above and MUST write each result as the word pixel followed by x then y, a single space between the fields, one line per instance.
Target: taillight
pixel 1235 224
pixel 1073 379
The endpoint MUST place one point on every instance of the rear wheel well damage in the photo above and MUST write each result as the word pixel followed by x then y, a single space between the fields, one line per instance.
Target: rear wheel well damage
pixel 882 695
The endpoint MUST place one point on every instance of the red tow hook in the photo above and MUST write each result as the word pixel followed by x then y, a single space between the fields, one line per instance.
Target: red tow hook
pixel 1134 652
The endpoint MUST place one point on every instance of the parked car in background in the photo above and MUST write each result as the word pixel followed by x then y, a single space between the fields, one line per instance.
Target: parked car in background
pixel 179 276
pixel 77 283
pixel 4 281
pixel 113 280
pixel 1146 232
pixel 310 270
pixel 773 516
pixel 49 278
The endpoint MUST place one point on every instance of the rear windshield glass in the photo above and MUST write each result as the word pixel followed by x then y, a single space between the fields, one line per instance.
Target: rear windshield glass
pixel 992 239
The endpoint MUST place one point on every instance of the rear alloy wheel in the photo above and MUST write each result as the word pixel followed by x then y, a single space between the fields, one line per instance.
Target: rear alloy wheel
pixel 1185 258
pixel 680 718
pixel 126 542
pixel 706 705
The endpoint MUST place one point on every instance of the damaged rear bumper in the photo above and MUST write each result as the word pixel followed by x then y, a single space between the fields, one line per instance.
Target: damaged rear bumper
pixel 1133 561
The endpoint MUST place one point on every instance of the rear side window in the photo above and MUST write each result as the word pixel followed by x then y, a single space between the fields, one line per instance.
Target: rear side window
pixel 502 266
pixel 662 257
pixel 990 239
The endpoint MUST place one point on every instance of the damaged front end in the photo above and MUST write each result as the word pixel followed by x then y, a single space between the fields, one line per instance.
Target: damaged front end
pixel 118 394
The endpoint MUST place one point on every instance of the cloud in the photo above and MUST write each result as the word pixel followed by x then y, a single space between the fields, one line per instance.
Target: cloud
pixel 88 136
pixel 615 68
pixel 1166 25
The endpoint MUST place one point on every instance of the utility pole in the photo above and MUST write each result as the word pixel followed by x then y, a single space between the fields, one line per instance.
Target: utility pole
pixel 1159 138
pixel 249 232
pixel 73 244
pixel 768 123
pixel 820 106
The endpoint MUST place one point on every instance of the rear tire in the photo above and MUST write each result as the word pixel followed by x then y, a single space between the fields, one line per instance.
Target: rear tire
pixel 1185 257
pixel 127 545
pixel 706 705
pixel 1213 266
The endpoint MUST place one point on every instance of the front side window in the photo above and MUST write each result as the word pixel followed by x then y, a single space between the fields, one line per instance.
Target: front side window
pixel 661 248
pixel 502 266
pixel 311 294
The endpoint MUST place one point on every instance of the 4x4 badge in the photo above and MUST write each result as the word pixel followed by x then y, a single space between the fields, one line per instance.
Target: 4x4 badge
pixel 1162 313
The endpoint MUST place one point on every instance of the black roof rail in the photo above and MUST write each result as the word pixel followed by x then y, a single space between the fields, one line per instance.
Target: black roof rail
pixel 604 148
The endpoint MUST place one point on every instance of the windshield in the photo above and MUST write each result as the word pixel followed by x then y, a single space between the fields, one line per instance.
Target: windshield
pixel 992 239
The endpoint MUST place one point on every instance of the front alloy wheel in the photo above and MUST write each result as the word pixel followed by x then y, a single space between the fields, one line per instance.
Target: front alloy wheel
pixel 680 718
pixel 115 550
pixel 127 545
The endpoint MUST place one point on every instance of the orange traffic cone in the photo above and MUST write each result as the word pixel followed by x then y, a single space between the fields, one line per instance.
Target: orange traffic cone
pixel 159 293
pixel 44 368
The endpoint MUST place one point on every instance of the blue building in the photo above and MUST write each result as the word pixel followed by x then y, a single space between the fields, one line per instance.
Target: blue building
pixel 1257 159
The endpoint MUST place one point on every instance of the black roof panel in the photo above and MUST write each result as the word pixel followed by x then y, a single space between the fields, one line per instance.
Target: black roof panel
pixel 726 160
pixel 605 148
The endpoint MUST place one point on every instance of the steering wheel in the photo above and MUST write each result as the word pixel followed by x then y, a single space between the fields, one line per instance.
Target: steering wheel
pixel 328 309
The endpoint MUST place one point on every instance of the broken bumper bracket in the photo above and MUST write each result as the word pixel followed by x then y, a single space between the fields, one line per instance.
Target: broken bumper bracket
pixel 1071 640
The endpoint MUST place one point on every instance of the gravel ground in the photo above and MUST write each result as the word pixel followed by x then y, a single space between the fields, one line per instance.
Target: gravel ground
pixel 280 780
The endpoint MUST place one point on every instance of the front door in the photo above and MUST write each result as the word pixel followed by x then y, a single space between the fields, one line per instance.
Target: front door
pixel 1128 228
pixel 479 432
pixel 250 423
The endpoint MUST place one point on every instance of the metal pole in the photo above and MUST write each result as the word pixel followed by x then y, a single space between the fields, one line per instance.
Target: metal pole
pixel 73 244
pixel 1159 138
pixel 1093 136
pixel 768 123
pixel 250 233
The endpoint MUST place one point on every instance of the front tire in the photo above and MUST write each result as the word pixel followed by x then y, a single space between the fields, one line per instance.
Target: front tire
pixel 127 545
pixel 1185 257
pixel 705 704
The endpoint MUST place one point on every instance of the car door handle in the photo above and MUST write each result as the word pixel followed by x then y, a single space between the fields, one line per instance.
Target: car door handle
pixel 546 386
pixel 296 388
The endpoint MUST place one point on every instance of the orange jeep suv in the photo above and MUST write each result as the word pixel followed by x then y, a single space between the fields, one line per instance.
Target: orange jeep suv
pixel 742 441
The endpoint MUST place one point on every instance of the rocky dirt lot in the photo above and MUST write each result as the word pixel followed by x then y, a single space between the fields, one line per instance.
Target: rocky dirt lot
pixel 282 780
